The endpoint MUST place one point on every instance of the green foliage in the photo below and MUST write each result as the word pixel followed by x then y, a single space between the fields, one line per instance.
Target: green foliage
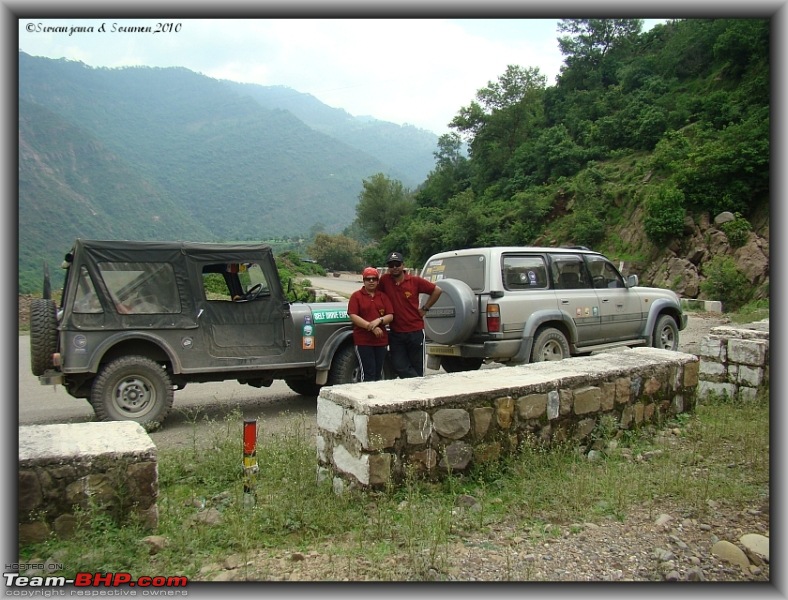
pixel 725 282
pixel 382 204
pixel 720 461
pixel 336 252
pixel 664 220
pixel 737 231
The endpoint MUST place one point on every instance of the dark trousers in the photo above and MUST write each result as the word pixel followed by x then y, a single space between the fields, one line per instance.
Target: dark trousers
pixel 407 353
pixel 370 359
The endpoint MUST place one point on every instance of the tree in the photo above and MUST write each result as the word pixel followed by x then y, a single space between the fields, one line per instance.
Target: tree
pixel 336 252
pixel 590 40
pixel 382 204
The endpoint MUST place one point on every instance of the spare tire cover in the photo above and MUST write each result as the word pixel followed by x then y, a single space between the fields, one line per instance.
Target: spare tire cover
pixel 454 316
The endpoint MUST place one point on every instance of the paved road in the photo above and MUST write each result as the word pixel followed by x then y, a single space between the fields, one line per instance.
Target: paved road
pixel 345 284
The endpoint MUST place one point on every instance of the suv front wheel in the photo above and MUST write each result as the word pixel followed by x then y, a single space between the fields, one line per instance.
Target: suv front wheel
pixel 132 388
pixel 550 344
pixel 666 334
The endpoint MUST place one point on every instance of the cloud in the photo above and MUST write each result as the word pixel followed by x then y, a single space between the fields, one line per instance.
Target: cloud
pixel 417 71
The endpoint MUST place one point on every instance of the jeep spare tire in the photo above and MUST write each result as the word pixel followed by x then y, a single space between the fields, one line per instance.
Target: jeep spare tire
pixel 454 316
pixel 43 334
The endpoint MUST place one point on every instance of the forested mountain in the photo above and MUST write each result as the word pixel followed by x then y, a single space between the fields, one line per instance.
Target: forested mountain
pixel 150 153
pixel 644 141
pixel 652 147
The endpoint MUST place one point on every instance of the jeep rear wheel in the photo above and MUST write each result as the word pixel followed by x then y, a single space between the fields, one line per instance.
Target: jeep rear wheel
pixel 550 344
pixel 666 334
pixel 344 367
pixel 43 334
pixel 132 388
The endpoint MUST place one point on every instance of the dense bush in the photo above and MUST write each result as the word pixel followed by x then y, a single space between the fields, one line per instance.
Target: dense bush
pixel 665 213
pixel 725 282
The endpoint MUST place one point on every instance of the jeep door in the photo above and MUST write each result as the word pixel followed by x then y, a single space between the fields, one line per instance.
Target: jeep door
pixel 241 318
pixel 619 307
pixel 576 296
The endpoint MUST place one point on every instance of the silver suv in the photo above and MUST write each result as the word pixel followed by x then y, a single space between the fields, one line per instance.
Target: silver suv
pixel 525 304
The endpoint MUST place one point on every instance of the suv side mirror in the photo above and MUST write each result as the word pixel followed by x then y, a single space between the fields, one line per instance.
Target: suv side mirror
pixel 632 281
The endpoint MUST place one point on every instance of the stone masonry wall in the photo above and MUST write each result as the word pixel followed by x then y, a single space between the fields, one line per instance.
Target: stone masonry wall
pixel 371 434
pixel 66 471
pixel 734 361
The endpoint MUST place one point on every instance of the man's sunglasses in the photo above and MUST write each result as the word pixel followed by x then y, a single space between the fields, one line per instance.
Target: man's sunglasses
pixel 370 278
pixel 395 264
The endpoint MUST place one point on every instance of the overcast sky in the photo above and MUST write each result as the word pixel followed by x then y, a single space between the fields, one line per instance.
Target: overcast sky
pixel 416 71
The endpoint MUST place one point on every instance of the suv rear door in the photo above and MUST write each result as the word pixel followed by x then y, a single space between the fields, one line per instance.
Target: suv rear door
pixel 524 277
pixel 576 296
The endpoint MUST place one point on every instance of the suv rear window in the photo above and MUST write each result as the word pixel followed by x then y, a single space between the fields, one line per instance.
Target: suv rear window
pixel 468 268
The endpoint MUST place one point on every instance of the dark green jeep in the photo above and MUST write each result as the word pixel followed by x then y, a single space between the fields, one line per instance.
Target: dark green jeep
pixel 139 320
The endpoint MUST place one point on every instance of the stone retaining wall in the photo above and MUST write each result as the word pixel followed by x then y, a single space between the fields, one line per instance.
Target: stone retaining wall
pixel 371 434
pixel 734 361
pixel 67 470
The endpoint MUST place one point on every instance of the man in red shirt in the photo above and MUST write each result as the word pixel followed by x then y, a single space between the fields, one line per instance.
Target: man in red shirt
pixel 370 310
pixel 406 338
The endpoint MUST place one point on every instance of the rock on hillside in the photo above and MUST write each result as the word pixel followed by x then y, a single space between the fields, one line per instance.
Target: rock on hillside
pixel 680 265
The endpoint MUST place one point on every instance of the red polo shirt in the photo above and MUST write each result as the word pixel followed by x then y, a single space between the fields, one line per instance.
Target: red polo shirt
pixel 405 300
pixel 369 308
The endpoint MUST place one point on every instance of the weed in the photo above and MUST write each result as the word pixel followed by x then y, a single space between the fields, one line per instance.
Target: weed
pixel 407 533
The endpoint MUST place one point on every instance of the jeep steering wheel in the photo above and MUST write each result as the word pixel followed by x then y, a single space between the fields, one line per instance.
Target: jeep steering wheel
pixel 253 292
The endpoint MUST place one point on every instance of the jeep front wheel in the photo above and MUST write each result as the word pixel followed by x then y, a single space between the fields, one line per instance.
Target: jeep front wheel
pixel 304 387
pixel 550 344
pixel 132 388
pixel 344 367
pixel 666 334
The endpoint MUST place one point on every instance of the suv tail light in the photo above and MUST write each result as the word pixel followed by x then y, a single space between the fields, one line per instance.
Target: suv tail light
pixel 493 318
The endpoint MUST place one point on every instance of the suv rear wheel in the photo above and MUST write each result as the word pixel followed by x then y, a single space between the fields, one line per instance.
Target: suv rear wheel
pixel 550 344
pixel 132 388
pixel 43 334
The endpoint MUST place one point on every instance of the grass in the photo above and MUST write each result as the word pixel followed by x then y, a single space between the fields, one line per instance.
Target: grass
pixel 717 456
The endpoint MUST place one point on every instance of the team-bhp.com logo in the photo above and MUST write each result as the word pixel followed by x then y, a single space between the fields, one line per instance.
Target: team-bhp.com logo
pixel 93 584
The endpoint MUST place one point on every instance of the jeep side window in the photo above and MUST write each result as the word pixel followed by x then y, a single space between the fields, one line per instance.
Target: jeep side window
pixel 86 300
pixel 141 288
pixel 569 272
pixel 524 273
pixel 603 273
pixel 232 282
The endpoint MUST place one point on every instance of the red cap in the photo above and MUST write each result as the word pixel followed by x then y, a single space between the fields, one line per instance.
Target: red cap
pixel 370 272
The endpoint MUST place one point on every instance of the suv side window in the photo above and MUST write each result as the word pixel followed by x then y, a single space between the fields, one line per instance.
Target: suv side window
pixel 141 288
pixel 569 272
pixel 603 273
pixel 524 273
